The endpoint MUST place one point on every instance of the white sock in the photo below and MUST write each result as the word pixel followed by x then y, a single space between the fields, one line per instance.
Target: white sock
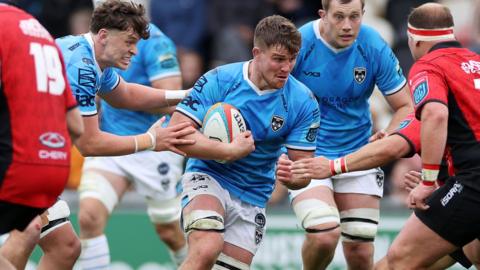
pixel 95 253
pixel 179 256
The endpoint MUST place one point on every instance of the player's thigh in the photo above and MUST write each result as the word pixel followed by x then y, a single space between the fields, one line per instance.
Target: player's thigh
pixel 315 207
pixel 244 228
pixel 472 251
pixel 369 182
pixel 155 175
pixel 104 181
pixel 418 245
pixel 203 204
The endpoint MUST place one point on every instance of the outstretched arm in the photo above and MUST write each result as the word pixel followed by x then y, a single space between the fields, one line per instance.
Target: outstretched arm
pixel 370 156
pixel 142 98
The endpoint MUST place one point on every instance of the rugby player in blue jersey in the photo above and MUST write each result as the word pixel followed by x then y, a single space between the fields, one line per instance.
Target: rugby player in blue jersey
pixel 341 61
pixel 224 204
pixel 153 175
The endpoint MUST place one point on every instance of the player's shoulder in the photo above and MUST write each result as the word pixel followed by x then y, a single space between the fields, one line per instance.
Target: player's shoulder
pixel 9 9
pixel 368 37
pixel 298 91
pixel 76 51
pixel 307 30
pixel 231 70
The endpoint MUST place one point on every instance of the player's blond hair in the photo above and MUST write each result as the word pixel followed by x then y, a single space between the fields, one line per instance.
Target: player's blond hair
pixel 326 3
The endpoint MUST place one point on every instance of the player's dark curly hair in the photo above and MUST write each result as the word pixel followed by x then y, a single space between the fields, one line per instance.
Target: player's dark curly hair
pixel 276 30
pixel 120 15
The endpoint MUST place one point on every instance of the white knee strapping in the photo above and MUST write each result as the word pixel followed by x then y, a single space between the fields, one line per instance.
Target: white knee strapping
pixel 94 185
pixel 225 262
pixel 359 224
pixel 203 220
pixel 312 212
pixel 57 216
pixel 161 212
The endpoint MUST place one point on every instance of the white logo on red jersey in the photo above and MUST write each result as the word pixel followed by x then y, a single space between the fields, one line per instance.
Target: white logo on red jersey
pixel 471 67
pixel 52 140
pixel 32 27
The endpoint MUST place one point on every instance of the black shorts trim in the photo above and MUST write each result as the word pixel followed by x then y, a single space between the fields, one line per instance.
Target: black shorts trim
pixel 16 216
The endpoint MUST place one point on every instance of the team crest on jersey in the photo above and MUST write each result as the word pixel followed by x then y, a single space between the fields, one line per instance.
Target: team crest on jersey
pixel 420 89
pixel 359 73
pixel 277 122
pixel 312 132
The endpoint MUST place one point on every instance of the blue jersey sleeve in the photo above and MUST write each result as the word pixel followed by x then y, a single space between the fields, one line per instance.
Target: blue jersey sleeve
pixel 109 80
pixel 160 57
pixel 304 133
pixel 390 77
pixel 206 92
pixel 82 77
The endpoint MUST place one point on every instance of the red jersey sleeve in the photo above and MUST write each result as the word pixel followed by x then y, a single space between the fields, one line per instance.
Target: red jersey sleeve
pixel 409 129
pixel 427 84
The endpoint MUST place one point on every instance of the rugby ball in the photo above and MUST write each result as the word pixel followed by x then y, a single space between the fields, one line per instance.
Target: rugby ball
pixel 222 123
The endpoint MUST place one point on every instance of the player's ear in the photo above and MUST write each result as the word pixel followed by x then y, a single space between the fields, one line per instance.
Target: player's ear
pixel 256 51
pixel 322 13
pixel 102 36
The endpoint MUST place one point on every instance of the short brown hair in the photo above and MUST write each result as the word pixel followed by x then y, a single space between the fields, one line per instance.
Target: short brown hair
pixel 431 17
pixel 276 30
pixel 326 3
pixel 120 15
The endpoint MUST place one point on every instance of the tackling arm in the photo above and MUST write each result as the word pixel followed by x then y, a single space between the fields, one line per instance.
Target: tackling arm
pixel 142 98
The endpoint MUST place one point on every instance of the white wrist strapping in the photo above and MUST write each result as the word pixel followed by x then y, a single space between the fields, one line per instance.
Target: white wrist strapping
pixel 175 94
pixel 153 139
pixel 136 144
pixel 338 166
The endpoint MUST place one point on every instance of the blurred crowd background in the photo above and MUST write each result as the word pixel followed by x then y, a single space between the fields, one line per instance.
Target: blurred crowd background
pixel 209 33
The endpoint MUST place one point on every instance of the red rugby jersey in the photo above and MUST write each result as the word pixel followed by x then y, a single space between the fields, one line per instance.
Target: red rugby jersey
pixel 450 75
pixel 34 98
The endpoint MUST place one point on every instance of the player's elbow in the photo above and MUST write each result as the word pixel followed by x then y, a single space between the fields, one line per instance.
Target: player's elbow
pixel 85 148
pixel 435 113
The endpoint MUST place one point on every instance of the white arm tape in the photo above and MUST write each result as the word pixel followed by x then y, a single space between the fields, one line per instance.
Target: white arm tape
pixel 175 94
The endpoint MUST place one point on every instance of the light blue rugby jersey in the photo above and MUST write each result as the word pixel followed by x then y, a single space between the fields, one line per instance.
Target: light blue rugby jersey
pixel 342 81
pixel 84 75
pixel 156 59
pixel 288 116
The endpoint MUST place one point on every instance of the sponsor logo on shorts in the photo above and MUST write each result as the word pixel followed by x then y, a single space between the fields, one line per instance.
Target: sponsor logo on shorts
pixel 260 220
pixel 259 229
pixel 163 168
pixel 165 183
pixel 359 73
pixel 456 189
pixel 380 178
pixel 277 122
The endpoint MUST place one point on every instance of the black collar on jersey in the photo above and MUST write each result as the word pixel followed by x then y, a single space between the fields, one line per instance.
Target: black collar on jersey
pixel 446 44
pixel 10 2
